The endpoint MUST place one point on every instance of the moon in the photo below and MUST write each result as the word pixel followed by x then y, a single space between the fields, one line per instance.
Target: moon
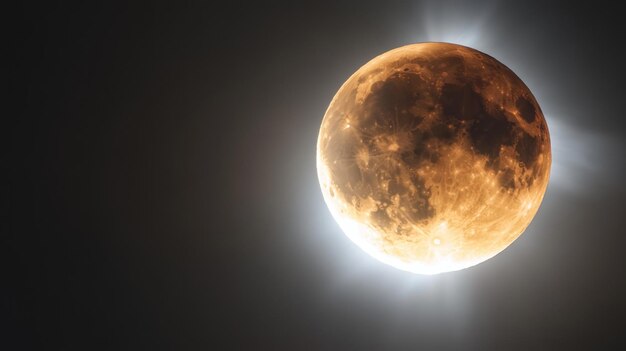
pixel 433 157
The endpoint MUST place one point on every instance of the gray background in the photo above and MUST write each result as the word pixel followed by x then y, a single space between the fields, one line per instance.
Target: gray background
pixel 163 191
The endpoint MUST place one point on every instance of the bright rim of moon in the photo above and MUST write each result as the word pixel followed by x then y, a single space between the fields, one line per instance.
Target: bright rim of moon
pixel 433 157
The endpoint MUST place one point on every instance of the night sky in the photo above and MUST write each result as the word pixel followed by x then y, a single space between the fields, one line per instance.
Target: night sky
pixel 162 190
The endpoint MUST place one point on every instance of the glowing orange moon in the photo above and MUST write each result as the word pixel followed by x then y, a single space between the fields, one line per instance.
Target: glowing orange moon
pixel 433 157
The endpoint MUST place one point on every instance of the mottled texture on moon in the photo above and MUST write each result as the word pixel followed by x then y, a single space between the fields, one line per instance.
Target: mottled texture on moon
pixel 433 157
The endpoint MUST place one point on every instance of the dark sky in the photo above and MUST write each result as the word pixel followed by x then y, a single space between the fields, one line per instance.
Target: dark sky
pixel 162 189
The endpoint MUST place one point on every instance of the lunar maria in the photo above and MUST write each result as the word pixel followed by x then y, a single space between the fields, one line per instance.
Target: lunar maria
pixel 433 157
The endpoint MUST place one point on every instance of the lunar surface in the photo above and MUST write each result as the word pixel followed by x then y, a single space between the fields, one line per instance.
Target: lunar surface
pixel 433 157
